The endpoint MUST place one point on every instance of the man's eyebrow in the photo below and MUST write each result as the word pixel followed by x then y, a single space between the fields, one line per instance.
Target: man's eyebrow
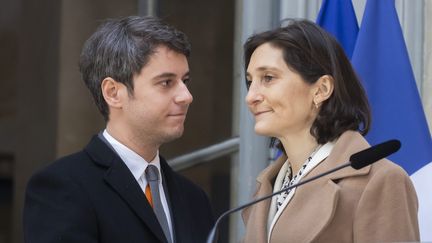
pixel 186 74
pixel 169 75
pixel 164 75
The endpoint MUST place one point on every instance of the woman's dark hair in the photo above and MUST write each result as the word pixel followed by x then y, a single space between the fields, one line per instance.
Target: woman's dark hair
pixel 311 52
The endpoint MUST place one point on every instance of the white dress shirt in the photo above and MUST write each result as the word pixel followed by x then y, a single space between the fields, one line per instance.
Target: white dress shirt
pixel 137 165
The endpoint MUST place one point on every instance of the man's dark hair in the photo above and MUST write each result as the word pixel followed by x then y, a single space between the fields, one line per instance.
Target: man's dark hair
pixel 120 48
pixel 311 52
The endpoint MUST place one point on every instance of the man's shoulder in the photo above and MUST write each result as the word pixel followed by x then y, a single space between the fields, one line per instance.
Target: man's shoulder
pixel 67 165
pixel 78 162
pixel 74 160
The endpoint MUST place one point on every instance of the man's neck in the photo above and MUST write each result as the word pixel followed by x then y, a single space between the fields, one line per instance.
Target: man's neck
pixel 145 149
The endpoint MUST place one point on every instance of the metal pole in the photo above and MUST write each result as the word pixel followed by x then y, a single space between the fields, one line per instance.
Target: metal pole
pixel 148 8
pixel 206 154
pixel 251 16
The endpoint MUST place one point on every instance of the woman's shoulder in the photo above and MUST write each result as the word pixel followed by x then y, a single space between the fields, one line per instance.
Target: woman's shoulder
pixel 388 170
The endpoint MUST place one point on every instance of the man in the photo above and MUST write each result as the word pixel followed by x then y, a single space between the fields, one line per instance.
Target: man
pixel 118 189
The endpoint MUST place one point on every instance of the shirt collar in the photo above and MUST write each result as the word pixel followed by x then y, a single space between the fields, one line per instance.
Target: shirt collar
pixel 136 164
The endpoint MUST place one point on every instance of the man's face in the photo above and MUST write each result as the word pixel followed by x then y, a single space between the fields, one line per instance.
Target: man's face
pixel 156 110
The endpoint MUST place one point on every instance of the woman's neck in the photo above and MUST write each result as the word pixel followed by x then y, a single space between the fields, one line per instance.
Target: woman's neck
pixel 298 149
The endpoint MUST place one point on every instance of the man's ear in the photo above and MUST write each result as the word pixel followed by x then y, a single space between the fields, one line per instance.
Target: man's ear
pixel 324 89
pixel 113 92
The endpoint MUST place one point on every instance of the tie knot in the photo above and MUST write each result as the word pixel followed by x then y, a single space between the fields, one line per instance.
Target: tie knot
pixel 152 173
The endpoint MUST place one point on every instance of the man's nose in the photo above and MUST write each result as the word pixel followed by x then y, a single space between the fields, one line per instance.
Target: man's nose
pixel 183 95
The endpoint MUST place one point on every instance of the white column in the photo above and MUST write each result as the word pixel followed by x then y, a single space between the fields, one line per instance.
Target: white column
pixel 252 16
pixel 426 88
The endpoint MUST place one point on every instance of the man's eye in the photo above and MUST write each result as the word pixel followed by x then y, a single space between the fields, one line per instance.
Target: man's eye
pixel 186 81
pixel 165 82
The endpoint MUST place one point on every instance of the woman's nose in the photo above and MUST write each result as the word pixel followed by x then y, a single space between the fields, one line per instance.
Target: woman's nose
pixel 253 95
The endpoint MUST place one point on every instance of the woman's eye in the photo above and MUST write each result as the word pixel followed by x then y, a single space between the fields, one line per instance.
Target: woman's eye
pixel 248 84
pixel 267 78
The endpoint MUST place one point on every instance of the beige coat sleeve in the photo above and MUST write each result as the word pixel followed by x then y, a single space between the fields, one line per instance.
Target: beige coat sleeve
pixel 387 210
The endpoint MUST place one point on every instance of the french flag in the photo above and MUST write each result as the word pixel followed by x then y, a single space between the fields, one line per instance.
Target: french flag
pixel 380 57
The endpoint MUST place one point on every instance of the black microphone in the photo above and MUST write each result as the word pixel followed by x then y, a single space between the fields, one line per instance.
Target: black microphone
pixel 374 153
pixel 357 161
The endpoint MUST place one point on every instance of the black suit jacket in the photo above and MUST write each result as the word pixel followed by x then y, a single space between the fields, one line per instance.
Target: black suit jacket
pixel 91 196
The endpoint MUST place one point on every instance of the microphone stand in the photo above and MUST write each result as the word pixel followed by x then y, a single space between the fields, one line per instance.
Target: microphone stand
pixel 210 238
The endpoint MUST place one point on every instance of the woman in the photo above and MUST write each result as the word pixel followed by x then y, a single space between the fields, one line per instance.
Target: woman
pixel 304 94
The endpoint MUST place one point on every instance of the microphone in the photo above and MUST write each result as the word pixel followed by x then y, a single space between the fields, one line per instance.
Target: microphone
pixel 357 161
pixel 374 153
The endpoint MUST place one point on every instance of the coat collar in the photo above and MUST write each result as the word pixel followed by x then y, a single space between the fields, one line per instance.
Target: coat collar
pixel 268 175
pixel 348 143
pixel 122 181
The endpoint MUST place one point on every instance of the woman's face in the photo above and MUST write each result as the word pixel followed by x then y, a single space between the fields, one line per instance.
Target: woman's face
pixel 280 100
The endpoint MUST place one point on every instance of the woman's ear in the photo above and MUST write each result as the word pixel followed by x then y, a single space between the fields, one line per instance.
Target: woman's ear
pixel 324 89
pixel 112 92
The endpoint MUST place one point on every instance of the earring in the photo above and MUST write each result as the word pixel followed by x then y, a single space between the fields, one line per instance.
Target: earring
pixel 316 104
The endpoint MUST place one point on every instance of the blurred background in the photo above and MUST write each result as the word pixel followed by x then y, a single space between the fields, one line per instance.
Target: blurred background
pixel 46 111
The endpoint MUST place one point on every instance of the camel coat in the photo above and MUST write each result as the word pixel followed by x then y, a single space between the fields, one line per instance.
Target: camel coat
pixel 377 203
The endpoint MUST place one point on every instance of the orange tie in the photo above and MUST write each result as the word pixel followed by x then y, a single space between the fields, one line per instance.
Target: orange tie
pixel 149 195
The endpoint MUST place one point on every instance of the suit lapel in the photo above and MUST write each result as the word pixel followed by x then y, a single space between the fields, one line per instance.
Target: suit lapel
pixel 177 203
pixel 122 181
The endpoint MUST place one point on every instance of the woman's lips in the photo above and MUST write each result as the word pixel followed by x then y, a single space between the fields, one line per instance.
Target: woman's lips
pixel 261 112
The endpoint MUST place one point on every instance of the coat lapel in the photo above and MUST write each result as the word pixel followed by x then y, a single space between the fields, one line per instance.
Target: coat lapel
pixel 257 229
pixel 318 203
pixel 122 181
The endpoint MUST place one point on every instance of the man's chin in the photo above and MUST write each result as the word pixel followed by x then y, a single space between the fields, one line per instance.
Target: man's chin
pixel 173 135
